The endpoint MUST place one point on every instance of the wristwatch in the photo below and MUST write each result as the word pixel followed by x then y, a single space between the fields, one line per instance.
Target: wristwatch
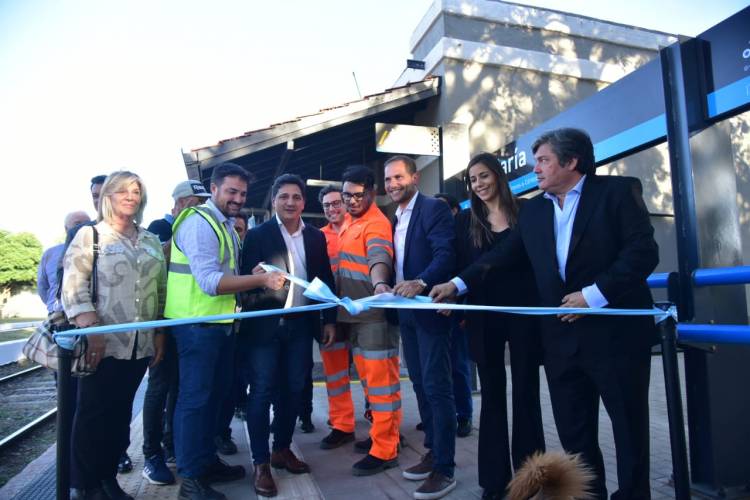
pixel 422 283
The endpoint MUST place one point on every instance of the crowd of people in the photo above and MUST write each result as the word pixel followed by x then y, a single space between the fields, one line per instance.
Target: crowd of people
pixel 586 241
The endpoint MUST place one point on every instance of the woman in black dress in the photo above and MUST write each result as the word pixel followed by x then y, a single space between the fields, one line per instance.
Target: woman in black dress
pixel 488 221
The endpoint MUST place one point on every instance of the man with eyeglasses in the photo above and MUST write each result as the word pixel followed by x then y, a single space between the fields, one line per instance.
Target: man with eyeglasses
pixel 365 266
pixel 335 355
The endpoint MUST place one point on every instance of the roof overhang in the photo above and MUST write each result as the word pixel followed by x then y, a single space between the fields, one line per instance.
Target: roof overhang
pixel 251 142
pixel 316 147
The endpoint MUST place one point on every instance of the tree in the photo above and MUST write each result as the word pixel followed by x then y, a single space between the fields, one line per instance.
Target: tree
pixel 19 259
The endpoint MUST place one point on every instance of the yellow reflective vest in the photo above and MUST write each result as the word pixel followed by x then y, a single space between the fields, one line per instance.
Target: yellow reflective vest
pixel 185 299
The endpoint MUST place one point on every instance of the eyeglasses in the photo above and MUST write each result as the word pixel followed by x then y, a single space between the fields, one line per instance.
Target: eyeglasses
pixel 348 196
pixel 333 204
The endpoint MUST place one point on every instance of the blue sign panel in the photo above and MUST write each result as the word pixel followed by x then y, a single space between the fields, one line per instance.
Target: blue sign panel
pixel 629 115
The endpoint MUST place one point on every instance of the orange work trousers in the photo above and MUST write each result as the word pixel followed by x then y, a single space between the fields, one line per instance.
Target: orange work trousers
pixel 336 369
pixel 375 350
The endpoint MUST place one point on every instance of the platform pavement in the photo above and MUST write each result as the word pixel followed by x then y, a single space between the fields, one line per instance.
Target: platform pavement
pixel 331 478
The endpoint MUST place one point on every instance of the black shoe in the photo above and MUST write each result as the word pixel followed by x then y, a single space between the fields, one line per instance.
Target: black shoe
pixel 365 445
pixel 336 438
pixel 225 445
pixel 463 428
pixel 125 465
pixel 222 472
pixel 372 465
pixel 113 491
pixel 198 489
pixel 169 457
pixel 420 426
pixel 87 494
pixel 306 426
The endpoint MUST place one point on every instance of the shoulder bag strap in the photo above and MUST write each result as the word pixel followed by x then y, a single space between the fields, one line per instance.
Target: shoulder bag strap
pixel 94 279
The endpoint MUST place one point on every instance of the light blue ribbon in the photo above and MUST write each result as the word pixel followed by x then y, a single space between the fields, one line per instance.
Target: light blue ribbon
pixel 319 291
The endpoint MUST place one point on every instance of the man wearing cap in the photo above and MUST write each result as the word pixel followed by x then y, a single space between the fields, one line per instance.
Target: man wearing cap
pixel 186 194
pixel 161 391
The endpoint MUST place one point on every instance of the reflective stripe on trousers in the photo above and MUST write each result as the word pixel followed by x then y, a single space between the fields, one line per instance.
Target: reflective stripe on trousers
pixel 336 369
pixel 381 375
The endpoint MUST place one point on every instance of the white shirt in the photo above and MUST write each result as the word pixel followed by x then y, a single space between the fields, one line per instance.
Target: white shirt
pixel 403 216
pixel 295 248
pixel 564 219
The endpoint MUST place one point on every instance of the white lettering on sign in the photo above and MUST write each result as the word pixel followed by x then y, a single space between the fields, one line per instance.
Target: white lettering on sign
pixel 514 162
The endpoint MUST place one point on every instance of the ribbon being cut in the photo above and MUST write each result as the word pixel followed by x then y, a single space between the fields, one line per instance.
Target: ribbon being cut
pixel 319 291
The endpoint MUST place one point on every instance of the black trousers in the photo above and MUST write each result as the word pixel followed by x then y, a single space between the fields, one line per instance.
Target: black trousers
pixel 236 395
pixel 101 425
pixel 159 402
pixel 496 452
pixel 621 380
pixel 305 412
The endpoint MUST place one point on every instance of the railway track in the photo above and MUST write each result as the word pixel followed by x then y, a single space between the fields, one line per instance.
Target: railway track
pixel 28 401
pixel 18 374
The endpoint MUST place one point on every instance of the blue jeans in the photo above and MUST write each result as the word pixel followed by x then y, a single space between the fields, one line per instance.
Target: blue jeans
pixel 461 372
pixel 428 359
pixel 276 371
pixel 205 366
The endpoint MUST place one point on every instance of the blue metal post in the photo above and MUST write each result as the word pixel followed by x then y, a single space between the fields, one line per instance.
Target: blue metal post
pixel 674 408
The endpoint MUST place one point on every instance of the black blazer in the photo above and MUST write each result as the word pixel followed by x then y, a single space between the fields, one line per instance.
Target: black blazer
pixel 429 253
pixel 264 243
pixel 612 245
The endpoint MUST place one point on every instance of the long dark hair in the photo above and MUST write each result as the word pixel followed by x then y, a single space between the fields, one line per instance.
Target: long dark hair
pixel 480 229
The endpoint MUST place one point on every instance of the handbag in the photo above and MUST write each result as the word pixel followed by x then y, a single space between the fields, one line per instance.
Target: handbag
pixel 41 346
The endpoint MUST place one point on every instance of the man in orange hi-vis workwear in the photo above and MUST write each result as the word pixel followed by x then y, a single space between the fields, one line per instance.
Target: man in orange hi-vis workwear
pixel 365 267
pixel 333 352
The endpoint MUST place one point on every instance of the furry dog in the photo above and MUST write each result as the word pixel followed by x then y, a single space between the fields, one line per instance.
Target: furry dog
pixel 551 476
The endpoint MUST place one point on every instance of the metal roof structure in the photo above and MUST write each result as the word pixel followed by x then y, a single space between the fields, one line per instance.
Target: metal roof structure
pixel 317 146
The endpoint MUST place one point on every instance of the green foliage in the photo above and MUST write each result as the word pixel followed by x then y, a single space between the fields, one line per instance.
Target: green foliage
pixel 20 254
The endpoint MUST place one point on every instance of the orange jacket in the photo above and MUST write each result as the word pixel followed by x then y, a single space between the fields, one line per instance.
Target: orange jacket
pixel 363 242
pixel 332 243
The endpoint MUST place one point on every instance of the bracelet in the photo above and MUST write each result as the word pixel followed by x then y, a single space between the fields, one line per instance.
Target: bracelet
pixel 379 283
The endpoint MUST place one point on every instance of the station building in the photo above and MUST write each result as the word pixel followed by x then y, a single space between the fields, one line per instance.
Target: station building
pixel 479 75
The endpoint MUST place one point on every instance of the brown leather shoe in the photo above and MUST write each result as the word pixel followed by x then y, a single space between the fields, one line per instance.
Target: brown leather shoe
pixel 285 459
pixel 263 481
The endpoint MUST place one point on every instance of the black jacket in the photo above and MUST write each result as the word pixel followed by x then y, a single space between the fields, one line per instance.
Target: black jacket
pixel 265 243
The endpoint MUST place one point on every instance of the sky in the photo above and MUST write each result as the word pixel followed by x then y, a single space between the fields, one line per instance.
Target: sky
pixel 89 86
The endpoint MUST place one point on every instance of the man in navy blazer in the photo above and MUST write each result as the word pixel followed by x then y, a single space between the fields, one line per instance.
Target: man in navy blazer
pixel 425 256
pixel 278 349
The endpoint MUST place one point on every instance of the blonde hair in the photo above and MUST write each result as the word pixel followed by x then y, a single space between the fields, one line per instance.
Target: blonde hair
pixel 115 182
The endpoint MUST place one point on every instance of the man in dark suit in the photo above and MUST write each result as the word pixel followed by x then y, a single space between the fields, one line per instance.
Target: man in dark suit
pixel 279 348
pixel 590 244
pixel 423 238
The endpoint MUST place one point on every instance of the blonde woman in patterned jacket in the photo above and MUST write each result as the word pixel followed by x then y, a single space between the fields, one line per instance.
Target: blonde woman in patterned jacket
pixel 131 285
